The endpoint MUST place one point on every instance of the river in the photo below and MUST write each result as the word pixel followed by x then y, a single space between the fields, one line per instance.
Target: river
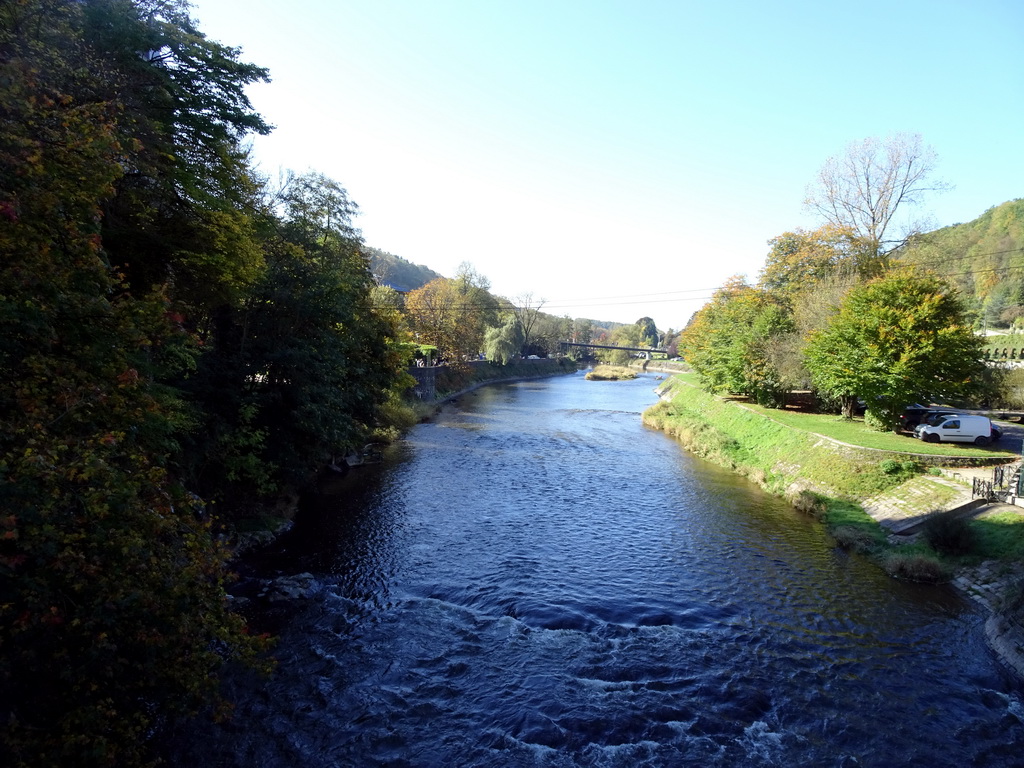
pixel 536 579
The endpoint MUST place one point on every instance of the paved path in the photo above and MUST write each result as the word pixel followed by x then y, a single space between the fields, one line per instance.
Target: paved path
pixel 908 505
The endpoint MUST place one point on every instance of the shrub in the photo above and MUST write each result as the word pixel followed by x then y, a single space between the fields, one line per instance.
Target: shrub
pixel 873 421
pixel 891 466
pixel 808 503
pixel 906 468
pixel 856 538
pixel 915 566
pixel 949 535
pixel 1010 392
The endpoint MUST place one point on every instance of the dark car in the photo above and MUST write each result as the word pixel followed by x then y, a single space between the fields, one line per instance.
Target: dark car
pixel 914 414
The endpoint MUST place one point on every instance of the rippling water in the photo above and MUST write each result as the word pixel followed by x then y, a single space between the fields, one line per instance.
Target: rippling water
pixel 535 579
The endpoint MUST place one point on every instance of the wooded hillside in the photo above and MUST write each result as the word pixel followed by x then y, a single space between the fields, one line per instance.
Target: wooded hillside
pixel 984 258
pixel 400 274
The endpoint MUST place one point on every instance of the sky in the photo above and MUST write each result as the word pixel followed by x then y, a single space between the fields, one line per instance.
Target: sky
pixel 621 158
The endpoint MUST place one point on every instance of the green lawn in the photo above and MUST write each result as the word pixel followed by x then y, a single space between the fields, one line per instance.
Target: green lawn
pixel 855 432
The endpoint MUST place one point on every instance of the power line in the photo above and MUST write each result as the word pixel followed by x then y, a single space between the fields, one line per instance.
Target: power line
pixel 648 298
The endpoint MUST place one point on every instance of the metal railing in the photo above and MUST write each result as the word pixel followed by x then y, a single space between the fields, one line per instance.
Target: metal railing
pixel 1005 482
pixel 983 489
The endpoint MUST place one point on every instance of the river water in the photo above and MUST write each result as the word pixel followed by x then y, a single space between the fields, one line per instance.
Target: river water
pixel 536 579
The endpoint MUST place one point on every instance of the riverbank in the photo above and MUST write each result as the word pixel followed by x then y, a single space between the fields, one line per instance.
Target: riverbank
pixel 848 488
pixel 450 383
pixel 445 385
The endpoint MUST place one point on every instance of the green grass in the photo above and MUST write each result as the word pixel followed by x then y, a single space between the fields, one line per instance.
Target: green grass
pixel 855 432
pixel 767 451
pixel 999 536
pixel 781 451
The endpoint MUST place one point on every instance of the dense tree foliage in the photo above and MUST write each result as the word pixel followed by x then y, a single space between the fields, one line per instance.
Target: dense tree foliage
pixel 648 332
pixel 833 311
pixel 728 341
pixel 171 334
pixel 503 343
pixel 897 339
pixel 984 258
pixel 394 271
pixel 801 260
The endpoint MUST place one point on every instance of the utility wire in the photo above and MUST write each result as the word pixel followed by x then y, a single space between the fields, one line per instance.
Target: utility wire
pixel 647 298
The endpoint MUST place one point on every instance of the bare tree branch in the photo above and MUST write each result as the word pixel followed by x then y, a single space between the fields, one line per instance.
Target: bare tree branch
pixel 864 188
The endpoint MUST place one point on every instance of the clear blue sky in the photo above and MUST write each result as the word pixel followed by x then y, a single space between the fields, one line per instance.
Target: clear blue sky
pixel 621 158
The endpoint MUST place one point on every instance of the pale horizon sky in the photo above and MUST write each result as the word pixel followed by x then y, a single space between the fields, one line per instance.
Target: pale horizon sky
pixel 621 159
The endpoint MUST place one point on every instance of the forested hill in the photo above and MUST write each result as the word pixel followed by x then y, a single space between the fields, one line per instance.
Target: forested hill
pixel 984 257
pixel 400 274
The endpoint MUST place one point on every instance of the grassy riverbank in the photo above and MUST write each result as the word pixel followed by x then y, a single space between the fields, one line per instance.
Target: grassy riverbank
pixel 781 459
pixel 784 454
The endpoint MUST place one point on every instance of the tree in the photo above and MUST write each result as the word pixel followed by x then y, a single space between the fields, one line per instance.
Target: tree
pixel 528 313
pixel 897 339
pixel 112 603
pixel 502 343
pixel 800 260
pixel 728 342
pixel 180 213
pixel 436 312
pixel 863 189
pixel 648 335
pixel 623 336
pixel 301 370
pixel 453 314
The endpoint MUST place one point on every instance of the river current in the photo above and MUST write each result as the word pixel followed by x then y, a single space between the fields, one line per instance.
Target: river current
pixel 536 579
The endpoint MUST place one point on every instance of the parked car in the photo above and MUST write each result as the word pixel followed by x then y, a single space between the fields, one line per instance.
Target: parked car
pixel 913 415
pixel 936 418
pixel 933 418
pixel 958 428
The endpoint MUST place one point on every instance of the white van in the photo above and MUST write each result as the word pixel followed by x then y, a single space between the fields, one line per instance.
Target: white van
pixel 957 428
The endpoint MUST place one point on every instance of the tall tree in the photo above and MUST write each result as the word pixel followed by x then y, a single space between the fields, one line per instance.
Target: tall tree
pixel 801 259
pixel 180 213
pixel 648 334
pixel 436 313
pixel 728 342
pixel 112 606
pixel 864 189
pixel 897 339
pixel 452 314
pixel 527 311
pixel 502 343
pixel 300 371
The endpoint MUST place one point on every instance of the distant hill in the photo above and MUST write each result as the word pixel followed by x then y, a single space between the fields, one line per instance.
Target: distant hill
pixel 400 274
pixel 984 258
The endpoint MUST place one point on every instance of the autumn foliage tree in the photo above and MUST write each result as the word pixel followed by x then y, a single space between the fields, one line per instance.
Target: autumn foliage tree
pixel 868 188
pixel 895 340
pixel 453 315
pixel 728 341
pixel 111 584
